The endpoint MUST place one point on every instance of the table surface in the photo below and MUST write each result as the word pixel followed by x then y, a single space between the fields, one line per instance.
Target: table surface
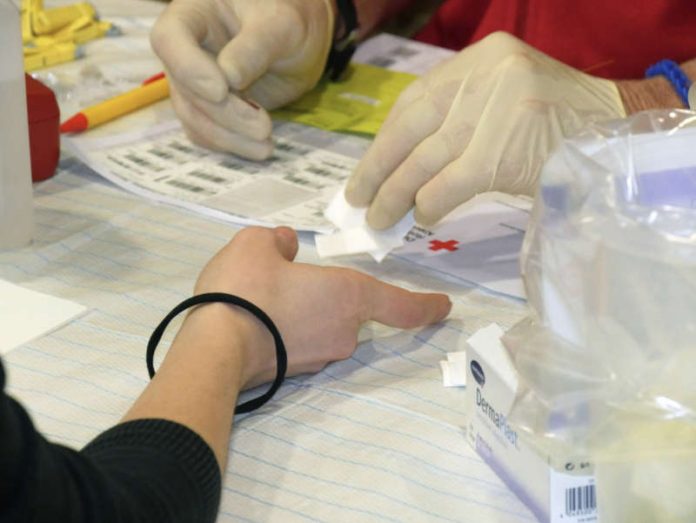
pixel 373 438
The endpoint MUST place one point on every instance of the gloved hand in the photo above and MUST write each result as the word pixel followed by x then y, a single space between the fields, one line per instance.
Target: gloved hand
pixel 228 61
pixel 485 120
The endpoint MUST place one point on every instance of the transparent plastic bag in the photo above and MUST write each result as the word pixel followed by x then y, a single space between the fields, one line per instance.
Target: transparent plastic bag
pixel 608 354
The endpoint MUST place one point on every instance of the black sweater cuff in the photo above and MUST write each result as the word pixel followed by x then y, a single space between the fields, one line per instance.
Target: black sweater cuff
pixel 174 468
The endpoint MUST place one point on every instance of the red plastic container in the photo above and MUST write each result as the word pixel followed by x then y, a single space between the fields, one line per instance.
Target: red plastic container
pixel 44 138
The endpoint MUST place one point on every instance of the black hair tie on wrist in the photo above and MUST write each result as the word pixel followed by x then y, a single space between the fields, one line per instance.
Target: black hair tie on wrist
pixel 211 297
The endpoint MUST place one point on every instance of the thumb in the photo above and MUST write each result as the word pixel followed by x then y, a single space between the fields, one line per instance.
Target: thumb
pixel 403 309
pixel 286 242
pixel 259 44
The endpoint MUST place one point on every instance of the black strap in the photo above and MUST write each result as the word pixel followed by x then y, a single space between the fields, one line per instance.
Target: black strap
pixel 343 48
pixel 211 297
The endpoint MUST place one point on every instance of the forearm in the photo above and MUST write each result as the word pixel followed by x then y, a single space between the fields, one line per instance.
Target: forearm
pixel 652 93
pixel 199 380
pixel 147 470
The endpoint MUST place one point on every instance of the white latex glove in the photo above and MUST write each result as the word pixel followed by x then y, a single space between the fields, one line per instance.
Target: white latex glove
pixel 228 61
pixel 484 120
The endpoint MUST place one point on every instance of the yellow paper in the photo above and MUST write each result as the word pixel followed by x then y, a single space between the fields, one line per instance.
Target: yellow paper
pixel 48 21
pixel 358 104
pixel 38 58
pixel 82 31
pixel 51 36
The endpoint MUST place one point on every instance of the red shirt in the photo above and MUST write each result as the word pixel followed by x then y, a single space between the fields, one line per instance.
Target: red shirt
pixel 609 38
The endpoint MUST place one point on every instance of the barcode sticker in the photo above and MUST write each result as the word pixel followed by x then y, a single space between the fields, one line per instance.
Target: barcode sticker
pixel 580 500
pixel 573 498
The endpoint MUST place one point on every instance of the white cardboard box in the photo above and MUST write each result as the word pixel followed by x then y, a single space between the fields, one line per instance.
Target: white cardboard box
pixel 553 496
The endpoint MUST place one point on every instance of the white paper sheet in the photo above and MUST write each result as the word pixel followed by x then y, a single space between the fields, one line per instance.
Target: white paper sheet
pixel 478 244
pixel 354 236
pixel 291 188
pixel 26 315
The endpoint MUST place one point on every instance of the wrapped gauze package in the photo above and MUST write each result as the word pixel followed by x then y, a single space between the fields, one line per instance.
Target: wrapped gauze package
pixel 607 356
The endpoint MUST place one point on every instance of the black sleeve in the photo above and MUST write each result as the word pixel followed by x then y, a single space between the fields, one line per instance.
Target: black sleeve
pixel 140 471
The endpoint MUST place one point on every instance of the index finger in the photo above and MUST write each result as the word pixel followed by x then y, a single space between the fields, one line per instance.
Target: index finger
pixel 177 38
pixel 392 146
pixel 398 307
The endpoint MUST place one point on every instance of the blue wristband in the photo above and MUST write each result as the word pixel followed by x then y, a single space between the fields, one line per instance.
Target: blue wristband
pixel 671 70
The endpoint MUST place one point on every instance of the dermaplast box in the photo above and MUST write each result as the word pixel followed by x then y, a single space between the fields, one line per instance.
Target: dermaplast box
pixel 556 492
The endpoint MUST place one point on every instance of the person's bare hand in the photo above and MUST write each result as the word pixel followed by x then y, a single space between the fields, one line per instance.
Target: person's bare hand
pixel 318 310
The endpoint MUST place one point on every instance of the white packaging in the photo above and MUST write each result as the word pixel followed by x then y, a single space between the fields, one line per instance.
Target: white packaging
pixel 16 212
pixel 555 490
pixel 607 352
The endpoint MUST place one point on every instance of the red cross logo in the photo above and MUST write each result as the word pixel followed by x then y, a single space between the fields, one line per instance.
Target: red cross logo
pixel 449 245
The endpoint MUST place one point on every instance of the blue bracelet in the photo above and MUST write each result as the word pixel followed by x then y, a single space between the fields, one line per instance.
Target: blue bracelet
pixel 671 70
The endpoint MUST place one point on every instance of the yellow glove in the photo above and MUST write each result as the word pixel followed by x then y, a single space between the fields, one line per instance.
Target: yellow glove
pixel 484 120
pixel 228 61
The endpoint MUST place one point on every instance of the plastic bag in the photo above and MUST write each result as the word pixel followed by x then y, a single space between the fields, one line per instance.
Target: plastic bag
pixel 608 354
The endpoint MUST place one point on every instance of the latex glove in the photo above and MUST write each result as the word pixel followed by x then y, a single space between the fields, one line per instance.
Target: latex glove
pixel 318 310
pixel 228 61
pixel 484 120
